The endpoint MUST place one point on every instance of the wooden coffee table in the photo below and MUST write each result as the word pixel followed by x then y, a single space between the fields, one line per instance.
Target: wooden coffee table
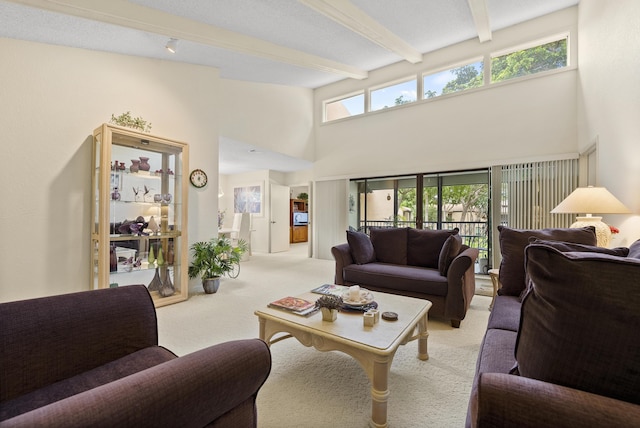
pixel 373 347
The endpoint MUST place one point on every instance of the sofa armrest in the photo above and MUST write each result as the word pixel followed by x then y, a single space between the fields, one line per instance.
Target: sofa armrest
pixel 190 391
pixel 342 255
pixel 462 284
pixel 507 400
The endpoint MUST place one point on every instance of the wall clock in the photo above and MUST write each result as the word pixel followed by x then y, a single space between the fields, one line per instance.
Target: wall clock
pixel 198 178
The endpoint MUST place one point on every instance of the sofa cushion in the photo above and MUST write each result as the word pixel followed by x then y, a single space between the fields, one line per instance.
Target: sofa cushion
pixel 112 371
pixel 424 246
pixel 579 322
pixel 361 247
pixel 397 277
pixel 390 244
pixel 513 243
pixel 505 314
pixel 449 251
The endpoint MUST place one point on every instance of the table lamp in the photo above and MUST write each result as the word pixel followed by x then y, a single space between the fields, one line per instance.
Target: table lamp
pixel 591 200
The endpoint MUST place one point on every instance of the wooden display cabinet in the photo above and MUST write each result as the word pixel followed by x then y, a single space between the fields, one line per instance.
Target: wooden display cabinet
pixel 139 212
pixel 298 226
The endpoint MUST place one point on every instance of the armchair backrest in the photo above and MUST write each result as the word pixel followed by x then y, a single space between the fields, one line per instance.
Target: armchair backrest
pixel 52 338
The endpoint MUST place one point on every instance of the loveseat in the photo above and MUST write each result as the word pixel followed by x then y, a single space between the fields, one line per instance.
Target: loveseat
pixel 562 347
pixel 427 264
pixel 91 359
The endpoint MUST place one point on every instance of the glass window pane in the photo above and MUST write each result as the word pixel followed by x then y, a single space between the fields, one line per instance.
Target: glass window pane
pixel 345 107
pixel 534 60
pixel 454 80
pixel 394 95
pixel 407 203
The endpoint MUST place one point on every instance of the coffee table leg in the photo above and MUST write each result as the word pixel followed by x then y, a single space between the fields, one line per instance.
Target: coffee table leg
pixel 263 324
pixel 423 335
pixel 380 393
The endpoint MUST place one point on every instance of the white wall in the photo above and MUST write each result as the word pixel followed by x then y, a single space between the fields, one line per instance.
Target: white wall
pixel 530 119
pixel 609 102
pixel 259 223
pixel 535 118
pixel 274 117
pixel 52 99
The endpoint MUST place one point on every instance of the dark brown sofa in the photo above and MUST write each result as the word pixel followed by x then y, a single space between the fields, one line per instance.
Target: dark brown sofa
pixel 92 359
pixel 561 347
pixel 427 264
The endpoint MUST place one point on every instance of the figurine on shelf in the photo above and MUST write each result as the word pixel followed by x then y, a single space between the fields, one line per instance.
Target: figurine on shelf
pixel 135 192
pixel 128 264
pixel 115 196
pixel 146 192
pixel 151 259
pixel 153 225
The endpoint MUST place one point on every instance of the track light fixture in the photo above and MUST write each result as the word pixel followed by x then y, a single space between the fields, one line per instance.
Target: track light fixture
pixel 172 45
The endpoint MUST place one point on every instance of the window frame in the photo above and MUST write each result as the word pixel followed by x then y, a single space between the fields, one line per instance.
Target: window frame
pixel 389 84
pixel 566 35
pixel 354 94
pixel 469 61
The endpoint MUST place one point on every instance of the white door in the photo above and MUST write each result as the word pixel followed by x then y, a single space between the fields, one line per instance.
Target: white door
pixel 279 221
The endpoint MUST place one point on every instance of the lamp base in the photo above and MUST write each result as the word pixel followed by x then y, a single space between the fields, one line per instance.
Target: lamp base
pixel 603 232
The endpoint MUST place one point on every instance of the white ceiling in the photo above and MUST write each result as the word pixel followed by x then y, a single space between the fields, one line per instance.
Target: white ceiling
pixel 305 43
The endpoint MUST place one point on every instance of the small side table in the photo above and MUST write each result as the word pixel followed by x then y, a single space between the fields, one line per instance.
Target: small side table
pixel 495 281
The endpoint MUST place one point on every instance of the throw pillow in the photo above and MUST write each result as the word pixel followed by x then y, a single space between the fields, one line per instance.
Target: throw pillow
pixel 513 243
pixel 361 247
pixel 567 247
pixel 579 322
pixel 449 251
pixel 424 246
pixel 634 250
pixel 390 244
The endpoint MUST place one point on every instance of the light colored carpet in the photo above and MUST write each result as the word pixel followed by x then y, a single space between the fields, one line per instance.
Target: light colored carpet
pixel 315 389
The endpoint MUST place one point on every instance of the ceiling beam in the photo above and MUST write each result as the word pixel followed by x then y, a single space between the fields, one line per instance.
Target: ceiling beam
pixel 345 13
pixel 131 15
pixel 480 13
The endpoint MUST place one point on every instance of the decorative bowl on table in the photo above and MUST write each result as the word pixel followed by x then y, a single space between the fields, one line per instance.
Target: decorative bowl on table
pixel 365 298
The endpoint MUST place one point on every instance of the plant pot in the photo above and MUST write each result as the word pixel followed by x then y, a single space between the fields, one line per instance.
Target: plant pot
pixel 329 314
pixel 210 285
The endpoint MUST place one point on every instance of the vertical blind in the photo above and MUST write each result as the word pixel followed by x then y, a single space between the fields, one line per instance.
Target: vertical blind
pixel 531 190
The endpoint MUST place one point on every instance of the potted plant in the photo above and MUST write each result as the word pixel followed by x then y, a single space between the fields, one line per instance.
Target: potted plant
pixel 329 304
pixel 125 119
pixel 214 259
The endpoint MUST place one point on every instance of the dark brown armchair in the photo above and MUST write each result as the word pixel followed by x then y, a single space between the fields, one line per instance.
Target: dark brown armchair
pixel 92 359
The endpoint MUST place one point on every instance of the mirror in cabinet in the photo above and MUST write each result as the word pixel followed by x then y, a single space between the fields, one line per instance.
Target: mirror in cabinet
pixel 139 231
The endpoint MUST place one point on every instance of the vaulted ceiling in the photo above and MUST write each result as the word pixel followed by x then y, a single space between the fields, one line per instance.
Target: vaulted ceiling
pixel 305 43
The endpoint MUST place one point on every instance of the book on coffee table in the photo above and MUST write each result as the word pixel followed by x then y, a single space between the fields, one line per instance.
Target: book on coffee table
pixel 294 304
pixel 336 290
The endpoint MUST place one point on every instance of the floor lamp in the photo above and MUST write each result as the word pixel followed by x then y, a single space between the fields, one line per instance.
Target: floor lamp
pixel 590 200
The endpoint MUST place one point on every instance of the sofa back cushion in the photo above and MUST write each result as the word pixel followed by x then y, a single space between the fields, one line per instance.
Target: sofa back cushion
pixel 390 244
pixel 48 339
pixel 513 243
pixel 579 321
pixel 424 246
pixel 361 247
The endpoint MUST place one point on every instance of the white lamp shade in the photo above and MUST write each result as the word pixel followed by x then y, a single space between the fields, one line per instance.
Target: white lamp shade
pixel 591 200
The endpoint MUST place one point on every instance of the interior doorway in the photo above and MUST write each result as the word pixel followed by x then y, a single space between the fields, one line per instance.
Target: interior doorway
pixel 279 218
